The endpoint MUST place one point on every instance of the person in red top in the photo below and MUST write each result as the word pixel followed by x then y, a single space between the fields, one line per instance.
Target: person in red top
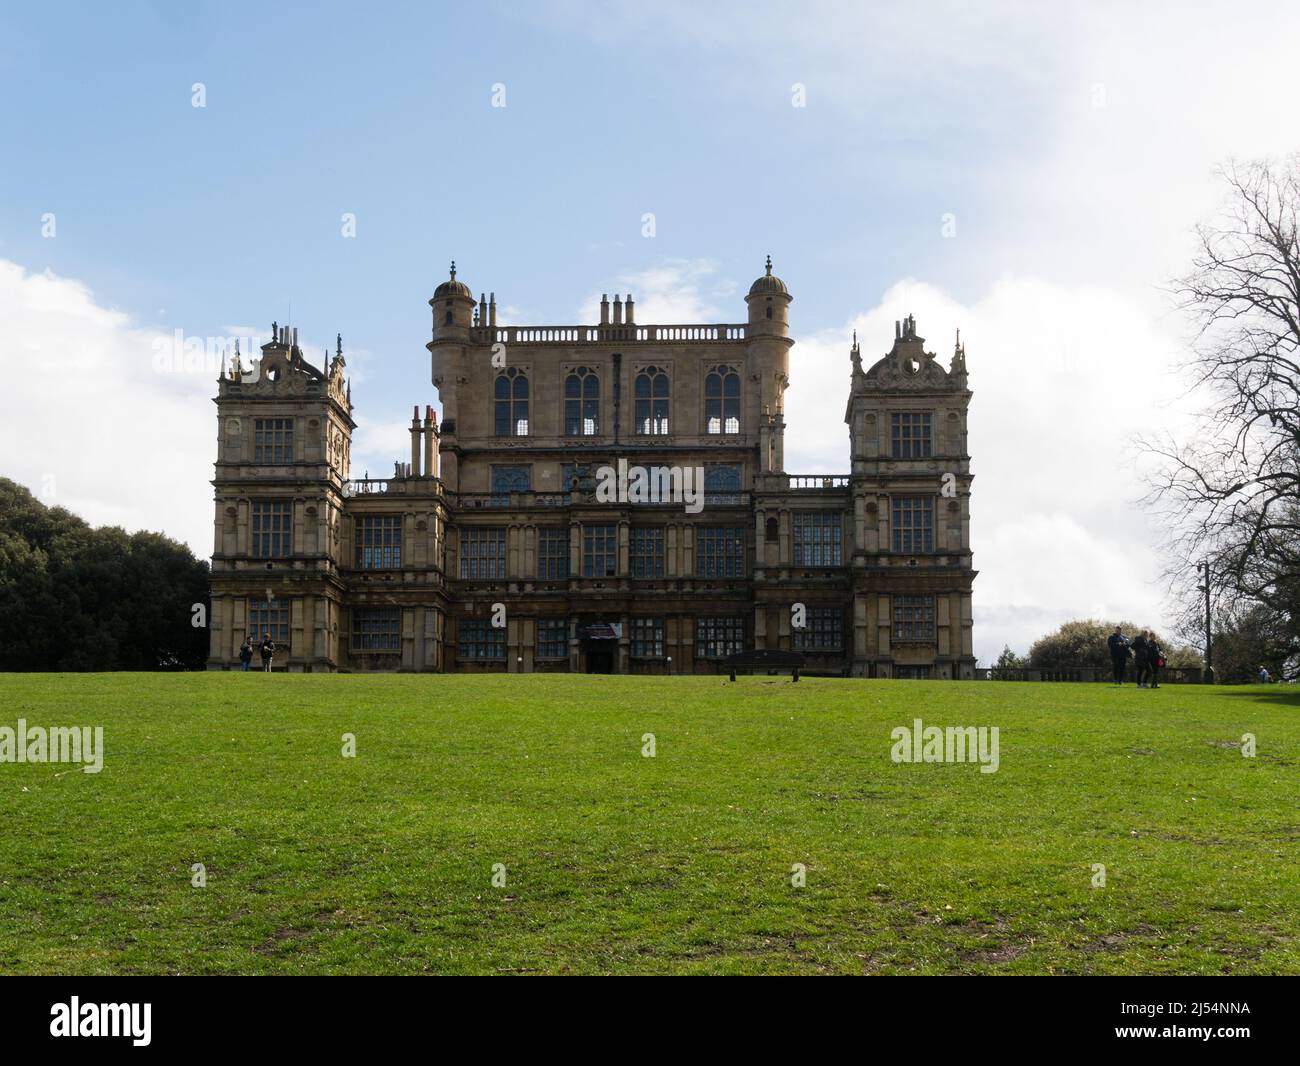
pixel 1141 659
pixel 1155 660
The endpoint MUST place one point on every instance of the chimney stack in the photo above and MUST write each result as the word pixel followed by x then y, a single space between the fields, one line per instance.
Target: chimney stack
pixel 618 310
pixel 415 440
pixel 627 310
pixel 430 442
pixel 604 309
pixel 492 310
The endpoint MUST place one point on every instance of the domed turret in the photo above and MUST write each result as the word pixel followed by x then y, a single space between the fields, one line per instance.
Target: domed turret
pixel 453 305
pixel 769 304
pixel 452 287
pixel 768 283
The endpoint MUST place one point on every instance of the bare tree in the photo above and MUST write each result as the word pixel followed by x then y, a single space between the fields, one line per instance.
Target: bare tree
pixel 1233 493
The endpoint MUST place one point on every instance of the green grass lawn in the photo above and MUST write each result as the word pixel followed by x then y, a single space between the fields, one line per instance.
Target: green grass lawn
pixel 619 863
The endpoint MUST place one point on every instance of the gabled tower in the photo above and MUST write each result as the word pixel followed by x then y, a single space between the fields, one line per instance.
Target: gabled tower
pixel 912 562
pixel 283 452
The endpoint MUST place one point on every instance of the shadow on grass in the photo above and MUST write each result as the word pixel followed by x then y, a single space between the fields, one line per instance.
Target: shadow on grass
pixel 1287 695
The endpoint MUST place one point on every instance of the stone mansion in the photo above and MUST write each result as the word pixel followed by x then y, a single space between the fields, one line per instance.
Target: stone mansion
pixel 500 544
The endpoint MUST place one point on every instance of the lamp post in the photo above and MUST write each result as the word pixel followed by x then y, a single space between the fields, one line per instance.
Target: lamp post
pixel 1209 650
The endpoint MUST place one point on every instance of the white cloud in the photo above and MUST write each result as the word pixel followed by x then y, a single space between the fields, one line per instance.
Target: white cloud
pixel 1064 377
pixel 673 291
pixel 376 446
pixel 101 418
pixel 87 414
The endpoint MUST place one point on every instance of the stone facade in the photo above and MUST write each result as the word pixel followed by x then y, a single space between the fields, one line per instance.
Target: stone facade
pixel 597 498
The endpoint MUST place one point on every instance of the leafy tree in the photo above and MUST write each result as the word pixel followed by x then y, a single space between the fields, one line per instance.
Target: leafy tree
pixel 1083 643
pixel 77 598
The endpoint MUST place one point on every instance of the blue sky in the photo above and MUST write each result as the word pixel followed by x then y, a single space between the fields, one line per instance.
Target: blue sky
pixel 230 212
pixel 1070 148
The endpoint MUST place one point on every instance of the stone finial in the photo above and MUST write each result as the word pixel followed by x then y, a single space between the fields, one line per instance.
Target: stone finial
pixel 958 364
pixel 453 270
pixel 769 266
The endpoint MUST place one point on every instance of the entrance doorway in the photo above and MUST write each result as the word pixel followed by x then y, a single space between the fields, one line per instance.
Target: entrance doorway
pixel 600 655
pixel 600 645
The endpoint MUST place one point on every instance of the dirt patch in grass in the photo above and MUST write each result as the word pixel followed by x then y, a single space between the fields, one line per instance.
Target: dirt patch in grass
pixel 281 936
pixel 995 956
pixel 1119 939
pixel 287 934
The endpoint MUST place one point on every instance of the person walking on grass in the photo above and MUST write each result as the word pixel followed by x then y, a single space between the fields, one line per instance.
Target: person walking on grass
pixel 268 652
pixel 1119 653
pixel 1141 663
pixel 1155 660
pixel 246 654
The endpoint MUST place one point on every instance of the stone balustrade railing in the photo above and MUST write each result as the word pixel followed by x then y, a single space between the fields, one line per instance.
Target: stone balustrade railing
pixel 722 333
pixel 363 487
pixel 820 482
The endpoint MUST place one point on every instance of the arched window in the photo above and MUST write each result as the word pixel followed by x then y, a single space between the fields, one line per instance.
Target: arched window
pixel 511 397
pixel 722 400
pixel 582 403
pixel 652 401
pixel 771 534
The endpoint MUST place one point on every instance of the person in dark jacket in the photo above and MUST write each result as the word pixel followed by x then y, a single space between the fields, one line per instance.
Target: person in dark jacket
pixel 1119 653
pixel 246 653
pixel 1141 660
pixel 268 652
pixel 1155 660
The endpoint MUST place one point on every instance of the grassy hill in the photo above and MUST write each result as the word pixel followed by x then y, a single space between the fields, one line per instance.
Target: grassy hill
pixel 615 862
